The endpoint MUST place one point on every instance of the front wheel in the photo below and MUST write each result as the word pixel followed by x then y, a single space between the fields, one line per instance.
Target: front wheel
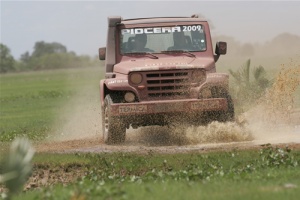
pixel 221 116
pixel 227 115
pixel 114 130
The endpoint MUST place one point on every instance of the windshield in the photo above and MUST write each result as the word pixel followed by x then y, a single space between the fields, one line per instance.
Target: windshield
pixel 161 39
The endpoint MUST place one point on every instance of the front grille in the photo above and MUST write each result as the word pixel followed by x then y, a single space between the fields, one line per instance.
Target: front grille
pixel 168 83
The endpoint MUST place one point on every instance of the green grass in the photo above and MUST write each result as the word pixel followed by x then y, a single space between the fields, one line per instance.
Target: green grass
pixel 217 189
pixel 269 173
pixel 31 101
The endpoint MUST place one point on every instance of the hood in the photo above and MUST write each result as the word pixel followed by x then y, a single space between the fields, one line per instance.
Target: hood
pixel 149 64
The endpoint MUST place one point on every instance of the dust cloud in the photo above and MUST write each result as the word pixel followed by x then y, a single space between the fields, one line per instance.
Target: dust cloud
pixel 274 119
pixel 266 130
pixel 79 118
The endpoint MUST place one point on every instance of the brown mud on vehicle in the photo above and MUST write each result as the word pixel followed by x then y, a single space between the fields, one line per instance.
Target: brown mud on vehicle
pixel 161 70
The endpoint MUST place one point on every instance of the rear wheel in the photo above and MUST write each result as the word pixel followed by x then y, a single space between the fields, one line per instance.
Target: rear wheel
pixel 114 130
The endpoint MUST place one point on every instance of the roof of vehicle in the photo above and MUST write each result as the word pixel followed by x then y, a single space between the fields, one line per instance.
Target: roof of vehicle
pixel 161 20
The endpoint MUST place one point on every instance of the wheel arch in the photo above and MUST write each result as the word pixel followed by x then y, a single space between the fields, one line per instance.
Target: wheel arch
pixel 103 92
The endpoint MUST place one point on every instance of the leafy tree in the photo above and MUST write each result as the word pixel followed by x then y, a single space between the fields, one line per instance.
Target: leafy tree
pixel 25 57
pixel 7 61
pixel 52 56
pixel 42 48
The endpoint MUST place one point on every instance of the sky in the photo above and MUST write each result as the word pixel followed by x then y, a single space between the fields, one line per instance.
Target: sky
pixel 82 25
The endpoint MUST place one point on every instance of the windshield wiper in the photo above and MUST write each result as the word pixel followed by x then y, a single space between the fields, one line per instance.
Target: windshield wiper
pixel 179 51
pixel 142 53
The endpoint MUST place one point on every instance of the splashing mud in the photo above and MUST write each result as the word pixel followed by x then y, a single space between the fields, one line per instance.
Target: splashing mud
pixel 275 118
pixel 279 101
pixel 180 134
pixel 219 132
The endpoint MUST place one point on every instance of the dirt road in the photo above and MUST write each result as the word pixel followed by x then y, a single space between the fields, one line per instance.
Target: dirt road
pixel 164 140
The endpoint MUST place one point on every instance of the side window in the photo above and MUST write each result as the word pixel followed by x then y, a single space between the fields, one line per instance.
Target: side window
pixel 125 43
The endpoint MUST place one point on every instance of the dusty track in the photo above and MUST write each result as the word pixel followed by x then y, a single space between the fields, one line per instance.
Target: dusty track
pixel 139 141
pixel 92 145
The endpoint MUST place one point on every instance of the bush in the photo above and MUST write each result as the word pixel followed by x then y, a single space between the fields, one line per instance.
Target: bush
pixel 249 86
pixel 7 61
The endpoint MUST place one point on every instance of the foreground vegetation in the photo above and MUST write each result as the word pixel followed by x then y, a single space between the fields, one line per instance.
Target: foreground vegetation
pixel 267 173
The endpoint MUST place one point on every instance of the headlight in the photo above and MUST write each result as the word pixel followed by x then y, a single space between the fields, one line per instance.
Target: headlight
pixel 205 93
pixel 136 78
pixel 129 97
pixel 198 76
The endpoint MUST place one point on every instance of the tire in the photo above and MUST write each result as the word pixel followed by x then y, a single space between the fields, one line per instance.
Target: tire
pixel 229 114
pixel 220 116
pixel 113 129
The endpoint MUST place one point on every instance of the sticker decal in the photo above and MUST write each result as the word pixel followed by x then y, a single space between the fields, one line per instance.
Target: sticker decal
pixel 132 109
pixel 154 30
pixel 116 82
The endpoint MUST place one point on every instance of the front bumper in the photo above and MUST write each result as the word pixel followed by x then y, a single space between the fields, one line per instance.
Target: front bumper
pixel 171 106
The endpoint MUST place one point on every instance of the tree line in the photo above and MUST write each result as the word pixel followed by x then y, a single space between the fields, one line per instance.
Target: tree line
pixel 55 55
pixel 44 56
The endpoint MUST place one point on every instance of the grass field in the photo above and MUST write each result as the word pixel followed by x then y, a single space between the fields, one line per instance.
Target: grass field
pixel 32 102
pixel 268 173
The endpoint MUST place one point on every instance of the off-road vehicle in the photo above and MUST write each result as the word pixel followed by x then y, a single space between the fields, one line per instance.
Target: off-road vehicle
pixel 159 70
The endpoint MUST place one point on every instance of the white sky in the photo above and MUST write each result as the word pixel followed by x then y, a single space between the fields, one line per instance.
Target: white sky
pixel 81 25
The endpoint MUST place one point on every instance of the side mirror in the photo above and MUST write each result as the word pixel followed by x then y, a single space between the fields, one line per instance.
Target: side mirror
pixel 102 52
pixel 221 48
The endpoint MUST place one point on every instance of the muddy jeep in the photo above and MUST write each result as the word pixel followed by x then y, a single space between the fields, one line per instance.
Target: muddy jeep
pixel 161 70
